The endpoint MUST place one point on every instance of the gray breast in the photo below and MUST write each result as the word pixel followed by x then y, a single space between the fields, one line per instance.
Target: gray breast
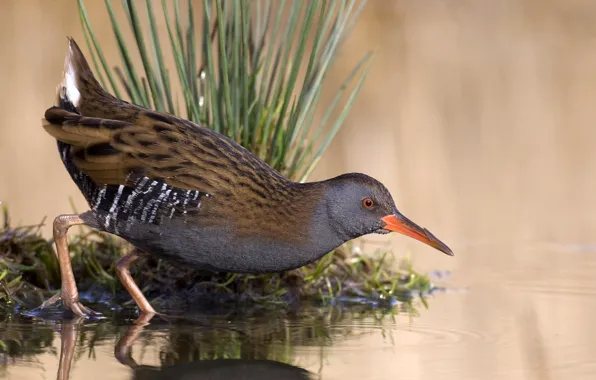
pixel 220 249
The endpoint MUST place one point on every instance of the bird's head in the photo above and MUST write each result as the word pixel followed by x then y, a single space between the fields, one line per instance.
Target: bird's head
pixel 357 204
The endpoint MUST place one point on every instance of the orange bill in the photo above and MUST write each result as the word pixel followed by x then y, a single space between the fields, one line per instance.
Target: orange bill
pixel 403 225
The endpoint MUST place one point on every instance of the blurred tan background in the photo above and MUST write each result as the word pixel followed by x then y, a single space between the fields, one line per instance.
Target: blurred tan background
pixel 479 116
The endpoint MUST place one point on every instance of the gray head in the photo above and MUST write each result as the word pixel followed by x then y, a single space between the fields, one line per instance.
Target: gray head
pixel 355 204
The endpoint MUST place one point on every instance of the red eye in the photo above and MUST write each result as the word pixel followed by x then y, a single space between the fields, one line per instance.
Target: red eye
pixel 368 203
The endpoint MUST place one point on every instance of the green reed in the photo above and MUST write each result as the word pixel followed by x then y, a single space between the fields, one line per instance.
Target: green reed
pixel 252 70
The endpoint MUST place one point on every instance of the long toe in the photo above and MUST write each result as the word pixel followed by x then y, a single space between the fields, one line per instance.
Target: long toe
pixel 52 300
pixel 78 308
pixel 88 311
pixel 82 310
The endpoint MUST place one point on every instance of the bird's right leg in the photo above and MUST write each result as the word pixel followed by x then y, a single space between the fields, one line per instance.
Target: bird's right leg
pixel 123 271
pixel 69 293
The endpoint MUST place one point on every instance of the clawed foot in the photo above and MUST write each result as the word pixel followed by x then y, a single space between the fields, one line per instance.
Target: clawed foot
pixel 71 303
pixel 79 309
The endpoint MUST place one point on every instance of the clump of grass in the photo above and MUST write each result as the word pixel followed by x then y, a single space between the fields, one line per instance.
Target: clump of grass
pixel 28 267
pixel 252 70
pixel 29 273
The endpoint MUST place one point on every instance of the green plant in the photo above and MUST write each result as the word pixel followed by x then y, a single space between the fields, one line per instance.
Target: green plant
pixel 255 73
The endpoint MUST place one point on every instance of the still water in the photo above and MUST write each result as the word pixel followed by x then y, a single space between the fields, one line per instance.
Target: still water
pixel 478 116
pixel 517 319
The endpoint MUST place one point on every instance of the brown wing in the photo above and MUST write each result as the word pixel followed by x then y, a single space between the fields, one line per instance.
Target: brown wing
pixel 157 146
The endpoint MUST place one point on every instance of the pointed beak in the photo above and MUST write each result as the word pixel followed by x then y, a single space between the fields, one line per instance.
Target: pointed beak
pixel 399 223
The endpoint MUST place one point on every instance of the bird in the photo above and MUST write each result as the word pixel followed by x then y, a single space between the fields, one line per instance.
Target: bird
pixel 180 191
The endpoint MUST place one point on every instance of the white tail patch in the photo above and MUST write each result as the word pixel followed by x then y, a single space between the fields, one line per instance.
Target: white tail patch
pixel 68 87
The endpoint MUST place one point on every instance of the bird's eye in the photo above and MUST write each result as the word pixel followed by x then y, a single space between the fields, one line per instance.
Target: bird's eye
pixel 368 203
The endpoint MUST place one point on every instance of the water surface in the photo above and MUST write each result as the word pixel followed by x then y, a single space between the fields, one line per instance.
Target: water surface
pixel 510 319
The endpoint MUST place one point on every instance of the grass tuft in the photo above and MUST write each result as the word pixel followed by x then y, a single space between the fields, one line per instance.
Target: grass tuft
pixel 251 70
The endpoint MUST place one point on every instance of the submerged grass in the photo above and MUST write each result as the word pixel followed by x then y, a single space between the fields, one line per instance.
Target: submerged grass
pixel 29 273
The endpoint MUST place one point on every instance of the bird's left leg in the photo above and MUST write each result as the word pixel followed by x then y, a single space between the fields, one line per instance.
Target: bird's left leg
pixel 69 293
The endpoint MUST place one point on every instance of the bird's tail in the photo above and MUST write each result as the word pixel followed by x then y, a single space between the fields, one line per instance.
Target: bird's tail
pixel 78 86
pixel 82 105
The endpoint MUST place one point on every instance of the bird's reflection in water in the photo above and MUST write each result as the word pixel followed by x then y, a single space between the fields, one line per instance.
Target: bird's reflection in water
pixel 203 369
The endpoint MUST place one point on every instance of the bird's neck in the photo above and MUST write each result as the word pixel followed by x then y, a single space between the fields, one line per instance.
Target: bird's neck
pixel 324 233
